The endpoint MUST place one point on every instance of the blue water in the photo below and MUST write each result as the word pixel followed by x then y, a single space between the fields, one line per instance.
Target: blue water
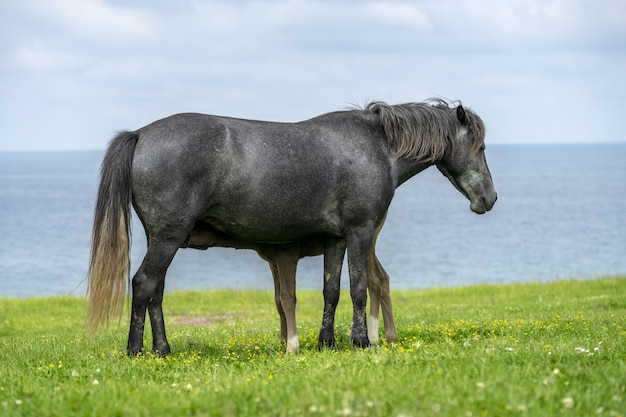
pixel 561 213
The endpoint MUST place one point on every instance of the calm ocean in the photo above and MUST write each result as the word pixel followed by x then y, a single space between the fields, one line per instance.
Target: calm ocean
pixel 561 213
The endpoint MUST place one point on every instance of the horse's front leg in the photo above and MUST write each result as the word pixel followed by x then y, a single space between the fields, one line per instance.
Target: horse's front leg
pixel 359 245
pixel 334 252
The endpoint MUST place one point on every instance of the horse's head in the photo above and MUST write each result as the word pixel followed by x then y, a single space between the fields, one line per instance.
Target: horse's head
pixel 465 164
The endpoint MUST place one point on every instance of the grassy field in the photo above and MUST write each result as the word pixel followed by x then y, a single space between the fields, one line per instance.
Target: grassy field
pixel 554 349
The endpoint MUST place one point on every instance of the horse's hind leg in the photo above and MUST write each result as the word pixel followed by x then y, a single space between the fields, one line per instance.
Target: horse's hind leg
pixel 148 284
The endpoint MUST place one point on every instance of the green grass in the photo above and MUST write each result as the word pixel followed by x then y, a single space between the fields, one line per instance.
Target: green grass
pixel 554 349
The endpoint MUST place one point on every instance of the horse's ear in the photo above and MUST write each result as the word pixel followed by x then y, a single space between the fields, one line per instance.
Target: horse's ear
pixel 461 114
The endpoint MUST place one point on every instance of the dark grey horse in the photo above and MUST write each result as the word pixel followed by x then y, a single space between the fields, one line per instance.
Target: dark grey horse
pixel 330 178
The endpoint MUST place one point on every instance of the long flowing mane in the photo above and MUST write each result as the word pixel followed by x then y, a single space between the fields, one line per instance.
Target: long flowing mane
pixel 424 131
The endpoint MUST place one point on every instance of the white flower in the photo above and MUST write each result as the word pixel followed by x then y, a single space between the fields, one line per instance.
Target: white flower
pixel 95 382
pixel 568 402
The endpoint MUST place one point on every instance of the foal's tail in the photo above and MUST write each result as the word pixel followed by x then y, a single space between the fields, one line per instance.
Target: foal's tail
pixel 109 266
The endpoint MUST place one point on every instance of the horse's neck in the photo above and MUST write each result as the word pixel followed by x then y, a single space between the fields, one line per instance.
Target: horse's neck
pixel 406 168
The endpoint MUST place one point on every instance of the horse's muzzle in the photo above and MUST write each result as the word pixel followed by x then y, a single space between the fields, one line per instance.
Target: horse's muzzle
pixel 482 205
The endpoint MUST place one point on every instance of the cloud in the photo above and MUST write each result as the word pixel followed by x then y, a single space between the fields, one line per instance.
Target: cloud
pixel 396 13
pixel 36 57
pixel 94 19
pixel 109 64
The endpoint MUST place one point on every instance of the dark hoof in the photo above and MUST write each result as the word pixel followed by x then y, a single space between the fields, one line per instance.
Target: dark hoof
pixel 326 344
pixel 133 352
pixel 162 352
pixel 362 342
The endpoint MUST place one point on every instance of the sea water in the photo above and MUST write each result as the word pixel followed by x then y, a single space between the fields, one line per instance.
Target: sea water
pixel 561 213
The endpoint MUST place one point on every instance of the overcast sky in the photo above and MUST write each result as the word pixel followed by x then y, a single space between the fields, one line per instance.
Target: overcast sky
pixel 73 72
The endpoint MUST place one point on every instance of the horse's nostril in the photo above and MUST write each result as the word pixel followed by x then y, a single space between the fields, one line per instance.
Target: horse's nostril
pixel 489 205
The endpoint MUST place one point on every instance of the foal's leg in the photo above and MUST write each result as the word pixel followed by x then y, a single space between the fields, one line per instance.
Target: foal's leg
pixel 378 285
pixel 148 284
pixel 286 263
pixel 283 261
pixel 374 291
pixel 279 305
pixel 385 302
pixel 334 252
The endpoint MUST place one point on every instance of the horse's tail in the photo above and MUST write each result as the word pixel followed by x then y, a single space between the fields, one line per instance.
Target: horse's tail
pixel 109 266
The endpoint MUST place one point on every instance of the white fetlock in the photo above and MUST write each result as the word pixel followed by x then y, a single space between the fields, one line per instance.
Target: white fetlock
pixel 293 345
pixel 372 330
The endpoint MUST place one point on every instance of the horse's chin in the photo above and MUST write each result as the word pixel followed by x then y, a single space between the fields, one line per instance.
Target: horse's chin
pixel 478 208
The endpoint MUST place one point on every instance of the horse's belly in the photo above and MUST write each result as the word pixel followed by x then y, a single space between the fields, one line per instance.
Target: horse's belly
pixel 270 227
